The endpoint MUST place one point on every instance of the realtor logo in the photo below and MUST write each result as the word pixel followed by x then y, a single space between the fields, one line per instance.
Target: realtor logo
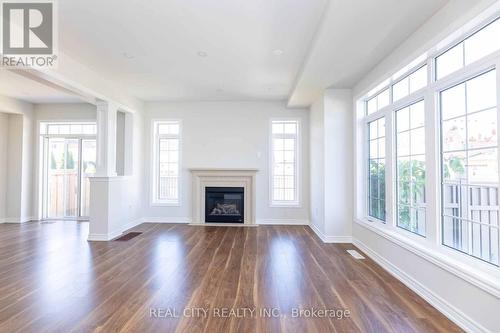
pixel 28 29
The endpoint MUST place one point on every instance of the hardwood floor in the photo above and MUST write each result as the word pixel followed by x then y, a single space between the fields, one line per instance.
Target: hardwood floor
pixel 53 280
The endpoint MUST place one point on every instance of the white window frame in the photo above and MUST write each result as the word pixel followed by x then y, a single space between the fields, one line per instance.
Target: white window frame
pixel 297 178
pixel 39 151
pixel 155 162
pixel 452 82
pixel 395 165
pixel 480 273
pixel 367 162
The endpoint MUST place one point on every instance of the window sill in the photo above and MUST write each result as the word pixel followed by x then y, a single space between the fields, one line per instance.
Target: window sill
pixel 480 274
pixel 285 205
pixel 165 204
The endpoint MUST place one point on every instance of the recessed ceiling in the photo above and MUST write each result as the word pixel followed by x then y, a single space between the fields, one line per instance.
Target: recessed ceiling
pixel 187 50
pixel 20 87
pixel 228 49
pixel 354 37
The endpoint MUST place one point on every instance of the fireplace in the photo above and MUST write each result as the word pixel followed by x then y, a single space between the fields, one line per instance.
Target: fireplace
pixel 224 204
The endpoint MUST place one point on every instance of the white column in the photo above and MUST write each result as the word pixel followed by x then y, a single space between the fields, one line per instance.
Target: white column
pixel 106 139
pixel 101 203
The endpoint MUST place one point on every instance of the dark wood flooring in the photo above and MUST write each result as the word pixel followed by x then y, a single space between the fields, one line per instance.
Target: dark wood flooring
pixel 53 280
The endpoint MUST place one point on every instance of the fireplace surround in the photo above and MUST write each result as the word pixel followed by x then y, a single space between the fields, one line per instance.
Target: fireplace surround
pixel 203 178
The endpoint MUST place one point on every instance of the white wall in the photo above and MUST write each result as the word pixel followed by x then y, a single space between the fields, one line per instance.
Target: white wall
pixel 227 134
pixel 19 172
pixel 317 164
pixel 134 198
pixel 65 112
pixel 27 167
pixel 471 307
pixel 338 163
pixel 4 128
pixel 18 163
pixel 331 165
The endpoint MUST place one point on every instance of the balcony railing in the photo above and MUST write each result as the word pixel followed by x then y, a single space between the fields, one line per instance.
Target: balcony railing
pixel 471 219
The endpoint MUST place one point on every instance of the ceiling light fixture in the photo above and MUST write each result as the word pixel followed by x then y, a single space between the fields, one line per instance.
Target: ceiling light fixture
pixel 202 54
pixel 278 52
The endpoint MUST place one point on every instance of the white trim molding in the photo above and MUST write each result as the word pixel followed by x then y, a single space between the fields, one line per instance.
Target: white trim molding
pixel 18 219
pixel 455 315
pixel 282 222
pixel 459 268
pixel 329 238
pixel 165 219
pixel 96 237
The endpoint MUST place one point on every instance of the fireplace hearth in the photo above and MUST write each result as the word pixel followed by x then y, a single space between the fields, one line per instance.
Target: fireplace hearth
pixel 224 204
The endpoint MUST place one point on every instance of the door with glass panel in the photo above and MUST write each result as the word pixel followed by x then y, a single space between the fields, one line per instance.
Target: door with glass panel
pixel 68 164
pixel 88 170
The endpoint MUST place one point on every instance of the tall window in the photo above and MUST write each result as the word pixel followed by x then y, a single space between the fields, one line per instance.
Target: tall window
pixel 376 172
pixel 284 157
pixel 469 159
pixel 410 151
pixel 166 155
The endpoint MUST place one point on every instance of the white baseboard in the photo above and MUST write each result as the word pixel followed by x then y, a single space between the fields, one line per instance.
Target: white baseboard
pixel 330 239
pixel 114 234
pixel 455 315
pixel 103 237
pixel 166 220
pixel 282 222
pixel 132 224
pixel 17 219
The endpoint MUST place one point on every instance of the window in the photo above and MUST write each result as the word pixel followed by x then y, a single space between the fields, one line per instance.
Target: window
pixel 453 119
pixel 378 102
pixel 469 158
pixel 167 152
pixel 68 129
pixel 284 154
pixel 475 47
pixel 376 172
pixel 410 169
pixel 411 83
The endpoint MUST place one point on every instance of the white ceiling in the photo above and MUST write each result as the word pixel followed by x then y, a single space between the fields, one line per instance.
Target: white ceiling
pixel 20 87
pixel 354 37
pixel 152 47
pixel 163 39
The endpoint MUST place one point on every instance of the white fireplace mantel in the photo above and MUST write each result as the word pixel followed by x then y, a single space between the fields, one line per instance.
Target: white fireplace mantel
pixel 223 177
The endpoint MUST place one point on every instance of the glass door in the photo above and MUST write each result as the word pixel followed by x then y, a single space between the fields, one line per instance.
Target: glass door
pixel 55 189
pixel 88 168
pixel 69 164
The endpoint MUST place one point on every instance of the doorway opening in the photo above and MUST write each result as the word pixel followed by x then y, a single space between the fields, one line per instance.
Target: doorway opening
pixel 68 160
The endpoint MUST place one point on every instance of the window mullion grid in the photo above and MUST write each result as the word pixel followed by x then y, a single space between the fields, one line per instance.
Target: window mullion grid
pixel 389 165
pixel 158 178
pixel 283 176
pixel 158 140
pixel 434 155
pixel 498 156
pixel 467 182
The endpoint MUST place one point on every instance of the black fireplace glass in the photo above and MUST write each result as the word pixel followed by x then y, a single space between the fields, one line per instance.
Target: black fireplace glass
pixel 224 204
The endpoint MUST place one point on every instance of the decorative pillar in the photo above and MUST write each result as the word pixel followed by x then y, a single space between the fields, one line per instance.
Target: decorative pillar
pixel 101 185
pixel 106 139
